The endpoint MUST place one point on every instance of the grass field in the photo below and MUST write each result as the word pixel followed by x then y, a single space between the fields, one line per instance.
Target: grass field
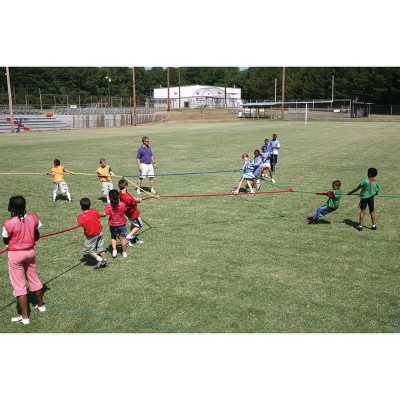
pixel 215 264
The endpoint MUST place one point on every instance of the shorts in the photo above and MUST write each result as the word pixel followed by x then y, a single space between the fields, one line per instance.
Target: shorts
pixel 249 176
pixel 147 171
pixel 60 187
pixel 267 164
pixel 370 202
pixel 118 231
pixel 137 223
pixel 94 244
pixel 22 264
pixel 106 187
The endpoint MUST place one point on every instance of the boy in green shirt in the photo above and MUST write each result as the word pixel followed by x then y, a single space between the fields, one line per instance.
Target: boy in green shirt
pixel 369 189
pixel 331 205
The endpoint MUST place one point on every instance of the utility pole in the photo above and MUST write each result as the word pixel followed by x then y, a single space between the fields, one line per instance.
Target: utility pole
pixel 109 90
pixel 169 104
pixel 179 84
pixel 134 95
pixel 10 101
pixel 225 85
pixel 283 93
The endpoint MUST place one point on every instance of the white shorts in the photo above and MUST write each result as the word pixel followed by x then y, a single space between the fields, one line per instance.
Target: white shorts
pixel 106 187
pixel 147 170
pixel 60 187
pixel 267 164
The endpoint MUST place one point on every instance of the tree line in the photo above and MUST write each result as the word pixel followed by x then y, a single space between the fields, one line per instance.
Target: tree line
pixel 378 85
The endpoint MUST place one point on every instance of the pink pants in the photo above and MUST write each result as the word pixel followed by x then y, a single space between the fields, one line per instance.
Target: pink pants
pixel 22 264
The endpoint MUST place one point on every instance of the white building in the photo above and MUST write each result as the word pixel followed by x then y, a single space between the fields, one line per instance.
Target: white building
pixel 197 96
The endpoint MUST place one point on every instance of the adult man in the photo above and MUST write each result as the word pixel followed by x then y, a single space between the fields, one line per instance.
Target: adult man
pixel 275 146
pixel 146 164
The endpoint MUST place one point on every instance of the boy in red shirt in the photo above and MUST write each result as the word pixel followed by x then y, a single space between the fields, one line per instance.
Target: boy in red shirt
pixel 93 231
pixel 132 212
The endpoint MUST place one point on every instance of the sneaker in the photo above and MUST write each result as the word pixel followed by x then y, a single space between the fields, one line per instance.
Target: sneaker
pixel 114 253
pixel 40 308
pixel 373 227
pixel 235 191
pixel 152 190
pixel 272 180
pixel 104 263
pixel 98 265
pixel 313 220
pixel 124 254
pixel 136 240
pixel 258 185
pixel 138 191
pixel 20 320
pixel 359 228
pixel 130 243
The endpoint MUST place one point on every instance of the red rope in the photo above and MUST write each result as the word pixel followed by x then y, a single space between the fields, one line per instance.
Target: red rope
pixel 58 232
pixel 49 234
pixel 217 194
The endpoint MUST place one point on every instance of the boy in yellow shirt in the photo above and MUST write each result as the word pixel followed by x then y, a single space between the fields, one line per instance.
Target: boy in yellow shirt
pixel 105 175
pixel 59 184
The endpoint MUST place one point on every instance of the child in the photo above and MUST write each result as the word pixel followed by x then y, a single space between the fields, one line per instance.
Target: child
pixel 248 175
pixel 132 212
pixel 93 231
pixel 257 168
pixel 332 203
pixel 105 175
pixel 266 162
pixel 369 189
pixel 20 234
pixel 116 210
pixel 59 184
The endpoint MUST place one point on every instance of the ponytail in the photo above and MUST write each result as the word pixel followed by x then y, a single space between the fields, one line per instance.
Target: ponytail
pixel 17 207
pixel 114 198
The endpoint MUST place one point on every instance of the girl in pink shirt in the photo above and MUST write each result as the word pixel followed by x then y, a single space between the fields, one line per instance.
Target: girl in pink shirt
pixel 116 211
pixel 20 234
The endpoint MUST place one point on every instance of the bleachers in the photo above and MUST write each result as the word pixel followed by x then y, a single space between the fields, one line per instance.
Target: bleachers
pixel 26 123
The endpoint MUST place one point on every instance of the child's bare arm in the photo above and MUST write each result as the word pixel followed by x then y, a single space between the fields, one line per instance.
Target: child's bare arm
pixel 354 190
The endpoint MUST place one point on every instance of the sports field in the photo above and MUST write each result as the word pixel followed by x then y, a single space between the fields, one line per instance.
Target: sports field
pixel 214 264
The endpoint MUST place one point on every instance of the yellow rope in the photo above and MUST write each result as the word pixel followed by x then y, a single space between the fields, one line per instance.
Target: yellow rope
pixel 81 173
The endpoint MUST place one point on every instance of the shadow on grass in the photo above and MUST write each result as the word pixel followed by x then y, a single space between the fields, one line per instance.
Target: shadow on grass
pixel 102 199
pixel 351 223
pixel 321 222
pixel 32 296
pixel 61 197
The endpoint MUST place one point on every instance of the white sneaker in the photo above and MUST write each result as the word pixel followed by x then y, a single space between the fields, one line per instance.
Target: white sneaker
pixel 152 190
pixel 124 254
pixel 20 320
pixel 138 191
pixel 40 308
pixel 114 253
pixel 235 191
pixel 272 180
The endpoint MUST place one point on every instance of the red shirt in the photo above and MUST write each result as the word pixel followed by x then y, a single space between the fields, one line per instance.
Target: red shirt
pixel 90 221
pixel 132 212
pixel 21 233
pixel 117 214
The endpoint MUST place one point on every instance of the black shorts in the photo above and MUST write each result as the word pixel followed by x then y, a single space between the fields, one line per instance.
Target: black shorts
pixel 370 202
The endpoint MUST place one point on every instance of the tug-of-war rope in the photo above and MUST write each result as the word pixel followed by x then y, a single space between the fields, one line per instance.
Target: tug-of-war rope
pixel 280 189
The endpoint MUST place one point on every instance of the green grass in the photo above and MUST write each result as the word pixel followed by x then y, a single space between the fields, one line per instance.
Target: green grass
pixel 215 264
